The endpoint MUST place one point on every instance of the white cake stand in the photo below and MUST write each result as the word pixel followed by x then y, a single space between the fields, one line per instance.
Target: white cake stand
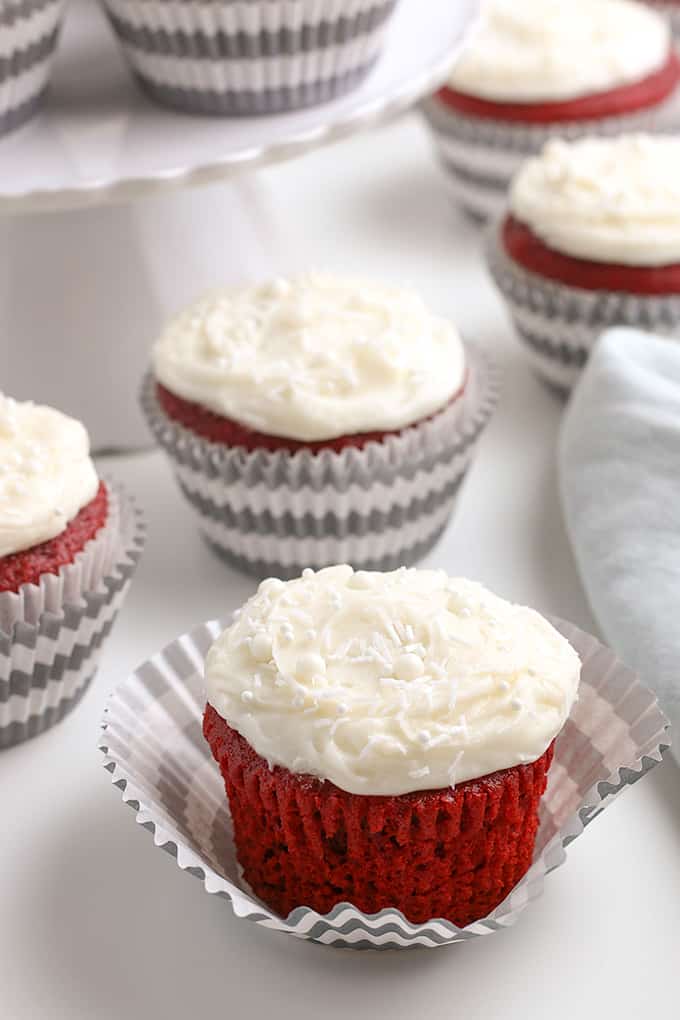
pixel 99 239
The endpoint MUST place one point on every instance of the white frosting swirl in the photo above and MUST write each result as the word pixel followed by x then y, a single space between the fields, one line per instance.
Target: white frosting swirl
pixel 608 200
pixel 553 50
pixel 313 358
pixel 46 475
pixel 388 683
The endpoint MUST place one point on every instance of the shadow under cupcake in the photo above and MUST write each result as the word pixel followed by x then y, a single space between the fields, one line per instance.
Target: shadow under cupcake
pixel 317 420
pixel 543 69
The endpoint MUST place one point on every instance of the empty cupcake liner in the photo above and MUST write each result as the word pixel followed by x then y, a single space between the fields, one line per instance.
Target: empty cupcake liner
pixel 558 325
pixel 479 156
pixel 51 634
pixel 244 57
pixel 159 760
pixel 29 30
pixel 274 513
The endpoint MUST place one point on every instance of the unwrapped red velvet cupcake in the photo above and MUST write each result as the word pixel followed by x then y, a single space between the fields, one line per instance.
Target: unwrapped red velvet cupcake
pixel 68 546
pixel 540 69
pixel 316 420
pixel 385 739
pixel 591 239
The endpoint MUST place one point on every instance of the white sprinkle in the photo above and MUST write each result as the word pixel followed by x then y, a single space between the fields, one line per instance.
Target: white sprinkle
pixel 504 685
pixel 310 665
pixel 261 647
pixel 419 773
pixel 408 667
pixel 516 704
pixel 307 573
pixel 423 737
pixel 310 634
pixel 247 696
pixel 298 700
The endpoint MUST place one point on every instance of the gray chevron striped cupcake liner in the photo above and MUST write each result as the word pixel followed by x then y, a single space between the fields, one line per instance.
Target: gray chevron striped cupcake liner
pixel 51 634
pixel 274 513
pixel 480 156
pixel 246 57
pixel 29 30
pixel 671 10
pixel 158 759
pixel 558 325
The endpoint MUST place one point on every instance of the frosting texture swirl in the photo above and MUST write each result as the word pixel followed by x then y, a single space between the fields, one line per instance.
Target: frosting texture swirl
pixel 313 358
pixel 549 50
pixel 389 683
pixel 46 474
pixel 607 200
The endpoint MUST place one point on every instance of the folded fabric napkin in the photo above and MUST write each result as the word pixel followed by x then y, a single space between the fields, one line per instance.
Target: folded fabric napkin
pixel 619 468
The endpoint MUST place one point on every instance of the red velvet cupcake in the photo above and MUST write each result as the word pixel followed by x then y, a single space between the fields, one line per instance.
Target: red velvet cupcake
pixel 68 544
pixel 316 420
pixel 544 69
pixel 591 240
pixel 385 739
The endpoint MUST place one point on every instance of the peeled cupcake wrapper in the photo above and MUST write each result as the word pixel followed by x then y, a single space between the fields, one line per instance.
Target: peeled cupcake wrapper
pixel 29 30
pixel 559 325
pixel 51 633
pixel 159 760
pixel 234 57
pixel 378 507
pixel 480 156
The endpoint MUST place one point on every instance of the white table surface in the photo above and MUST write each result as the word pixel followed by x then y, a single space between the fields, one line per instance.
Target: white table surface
pixel 95 922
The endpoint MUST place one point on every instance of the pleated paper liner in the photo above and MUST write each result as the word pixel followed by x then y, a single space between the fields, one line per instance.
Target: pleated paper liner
pixel 157 756
pixel 479 155
pixel 558 325
pixel 379 507
pixel 29 31
pixel 51 634
pixel 249 58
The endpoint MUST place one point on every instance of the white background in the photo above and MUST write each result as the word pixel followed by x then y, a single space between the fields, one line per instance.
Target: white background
pixel 97 923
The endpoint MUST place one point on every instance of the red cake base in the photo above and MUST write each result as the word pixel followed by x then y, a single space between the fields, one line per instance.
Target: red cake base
pixel 28 566
pixel 218 429
pixel 531 253
pixel 453 853
pixel 639 95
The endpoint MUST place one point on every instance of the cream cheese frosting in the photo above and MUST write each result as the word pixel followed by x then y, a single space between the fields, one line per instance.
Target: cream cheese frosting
pixel 389 683
pixel 553 50
pixel 313 357
pixel 46 474
pixel 607 200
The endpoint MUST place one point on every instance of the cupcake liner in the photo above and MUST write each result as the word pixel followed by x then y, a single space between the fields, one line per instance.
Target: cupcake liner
pixel 671 11
pixel 158 759
pixel 52 633
pixel 454 854
pixel 479 156
pixel 232 57
pixel 29 30
pixel 377 508
pixel 559 325
pixel 85 573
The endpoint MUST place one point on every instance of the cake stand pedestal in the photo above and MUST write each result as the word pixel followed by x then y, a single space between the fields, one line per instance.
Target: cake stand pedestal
pixel 103 236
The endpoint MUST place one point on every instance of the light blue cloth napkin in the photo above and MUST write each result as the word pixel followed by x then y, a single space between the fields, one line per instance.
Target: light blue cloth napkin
pixel 619 467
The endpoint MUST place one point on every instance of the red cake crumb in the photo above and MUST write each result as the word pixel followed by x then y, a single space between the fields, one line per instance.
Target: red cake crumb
pixel 219 429
pixel 28 566
pixel 453 853
pixel 640 95
pixel 529 251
